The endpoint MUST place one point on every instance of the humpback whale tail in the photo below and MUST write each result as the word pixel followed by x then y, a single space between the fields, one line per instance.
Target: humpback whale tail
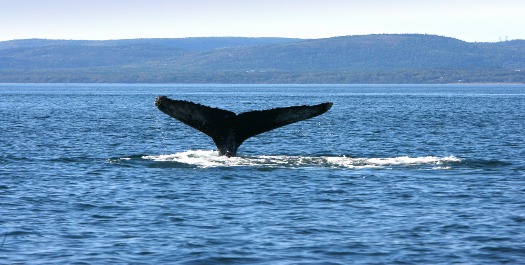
pixel 229 130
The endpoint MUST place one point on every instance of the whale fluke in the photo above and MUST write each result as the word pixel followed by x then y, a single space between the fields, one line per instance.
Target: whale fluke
pixel 229 130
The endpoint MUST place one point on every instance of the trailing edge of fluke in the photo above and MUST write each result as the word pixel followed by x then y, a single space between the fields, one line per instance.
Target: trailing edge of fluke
pixel 229 130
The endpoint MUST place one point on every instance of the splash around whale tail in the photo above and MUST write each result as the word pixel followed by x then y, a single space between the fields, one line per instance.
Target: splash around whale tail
pixel 229 130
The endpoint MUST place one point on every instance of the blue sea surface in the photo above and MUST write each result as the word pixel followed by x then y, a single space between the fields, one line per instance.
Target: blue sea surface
pixel 392 174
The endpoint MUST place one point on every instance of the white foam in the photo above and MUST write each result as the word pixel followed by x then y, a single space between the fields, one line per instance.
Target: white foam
pixel 205 159
pixel 202 158
pixel 389 162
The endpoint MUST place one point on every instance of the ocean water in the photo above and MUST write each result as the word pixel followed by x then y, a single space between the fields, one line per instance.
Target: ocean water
pixel 392 174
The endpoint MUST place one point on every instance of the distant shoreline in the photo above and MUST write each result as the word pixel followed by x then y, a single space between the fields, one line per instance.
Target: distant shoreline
pixel 261 84
pixel 370 59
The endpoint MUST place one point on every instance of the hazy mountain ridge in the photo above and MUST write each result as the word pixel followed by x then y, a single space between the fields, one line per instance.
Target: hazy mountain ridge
pixel 197 43
pixel 392 58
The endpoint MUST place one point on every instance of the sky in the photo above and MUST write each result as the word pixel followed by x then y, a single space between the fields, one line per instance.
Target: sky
pixel 468 20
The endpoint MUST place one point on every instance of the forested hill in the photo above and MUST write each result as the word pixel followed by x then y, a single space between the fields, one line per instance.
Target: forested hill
pixel 384 58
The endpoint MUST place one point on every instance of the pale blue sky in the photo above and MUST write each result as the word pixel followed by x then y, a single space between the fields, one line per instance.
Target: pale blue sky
pixel 469 20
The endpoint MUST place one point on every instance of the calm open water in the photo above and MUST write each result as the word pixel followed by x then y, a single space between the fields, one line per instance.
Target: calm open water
pixel 397 174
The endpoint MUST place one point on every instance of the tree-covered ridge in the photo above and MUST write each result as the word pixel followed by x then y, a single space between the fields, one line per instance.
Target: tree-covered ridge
pixel 383 58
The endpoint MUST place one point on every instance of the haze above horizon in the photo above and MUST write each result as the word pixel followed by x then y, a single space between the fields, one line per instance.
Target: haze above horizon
pixel 473 21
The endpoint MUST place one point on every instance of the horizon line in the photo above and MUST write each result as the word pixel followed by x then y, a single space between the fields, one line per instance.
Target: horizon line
pixel 261 37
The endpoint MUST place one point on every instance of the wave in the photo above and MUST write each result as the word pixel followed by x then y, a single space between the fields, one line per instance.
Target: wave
pixel 207 159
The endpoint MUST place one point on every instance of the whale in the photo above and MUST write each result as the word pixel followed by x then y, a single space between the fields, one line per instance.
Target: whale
pixel 229 130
